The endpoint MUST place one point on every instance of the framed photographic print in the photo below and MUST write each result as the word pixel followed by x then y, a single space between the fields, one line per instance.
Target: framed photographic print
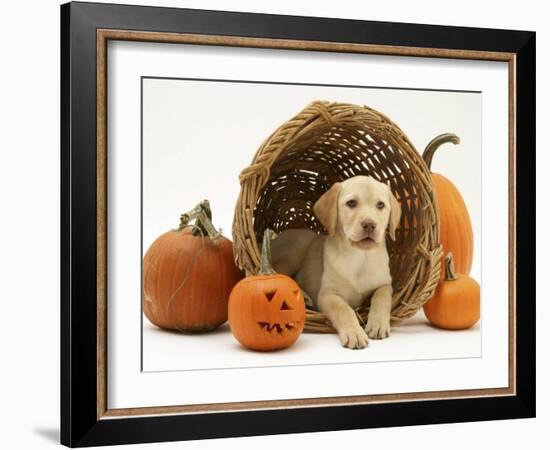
pixel 277 224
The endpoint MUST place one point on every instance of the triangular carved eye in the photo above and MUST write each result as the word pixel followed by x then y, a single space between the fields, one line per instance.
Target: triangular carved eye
pixel 269 295
pixel 285 306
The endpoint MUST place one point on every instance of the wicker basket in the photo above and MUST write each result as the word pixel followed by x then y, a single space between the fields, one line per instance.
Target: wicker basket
pixel 329 142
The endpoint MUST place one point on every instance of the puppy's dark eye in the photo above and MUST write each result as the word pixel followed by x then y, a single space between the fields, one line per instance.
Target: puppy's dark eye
pixel 351 203
pixel 380 205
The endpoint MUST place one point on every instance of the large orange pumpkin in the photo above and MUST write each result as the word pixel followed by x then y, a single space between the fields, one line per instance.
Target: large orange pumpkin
pixel 188 274
pixel 456 302
pixel 455 228
pixel 267 311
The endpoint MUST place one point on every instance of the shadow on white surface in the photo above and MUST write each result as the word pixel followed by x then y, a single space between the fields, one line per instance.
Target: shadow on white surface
pixel 50 434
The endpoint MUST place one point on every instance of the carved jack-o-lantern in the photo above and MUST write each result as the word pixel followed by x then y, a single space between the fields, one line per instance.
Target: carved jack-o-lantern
pixel 266 311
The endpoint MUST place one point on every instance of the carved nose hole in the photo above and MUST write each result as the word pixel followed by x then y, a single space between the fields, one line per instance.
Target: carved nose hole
pixel 269 295
pixel 285 306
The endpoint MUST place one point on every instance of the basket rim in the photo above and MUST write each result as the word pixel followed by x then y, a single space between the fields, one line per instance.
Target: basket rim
pixel 324 115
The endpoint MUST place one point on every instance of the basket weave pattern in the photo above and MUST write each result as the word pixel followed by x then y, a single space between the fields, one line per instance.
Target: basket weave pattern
pixel 330 142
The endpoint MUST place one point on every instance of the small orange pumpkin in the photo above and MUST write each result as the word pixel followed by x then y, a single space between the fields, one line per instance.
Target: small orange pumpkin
pixel 266 311
pixel 456 302
pixel 188 274
pixel 455 227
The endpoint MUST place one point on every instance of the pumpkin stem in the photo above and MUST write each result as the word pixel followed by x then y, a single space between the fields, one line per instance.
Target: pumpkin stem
pixel 435 143
pixel 450 272
pixel 265 260
pixel 202 215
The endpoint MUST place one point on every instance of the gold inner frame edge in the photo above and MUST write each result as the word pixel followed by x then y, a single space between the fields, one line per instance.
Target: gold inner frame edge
pixel 103 36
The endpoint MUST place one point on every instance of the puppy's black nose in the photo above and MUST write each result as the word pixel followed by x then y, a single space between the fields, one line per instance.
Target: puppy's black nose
pixel 368 225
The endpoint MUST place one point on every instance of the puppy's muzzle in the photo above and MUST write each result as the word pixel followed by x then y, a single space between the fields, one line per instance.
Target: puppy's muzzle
pixel 368 238
pixel 369 226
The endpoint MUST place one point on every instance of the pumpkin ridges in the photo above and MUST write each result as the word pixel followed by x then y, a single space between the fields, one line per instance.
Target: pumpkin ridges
pixel 194 287
pixel 163 290
pixel 456 303
pixel 148 270
pixel 444 314
pixel 147 303
pixel 465 235
pixel 456 233
pixel 154 253
pixel 174 272
pixel 471 243
pixel 452 237
pixel 187 301
pixel 166 291
pixel 177 289
pixel 214 307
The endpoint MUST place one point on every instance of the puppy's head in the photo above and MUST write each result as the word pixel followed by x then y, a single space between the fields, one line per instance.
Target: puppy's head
pixel 360 209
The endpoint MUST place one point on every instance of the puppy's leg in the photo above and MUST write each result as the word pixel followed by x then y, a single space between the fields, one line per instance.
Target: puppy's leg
pixel 378 322
pixel 343 318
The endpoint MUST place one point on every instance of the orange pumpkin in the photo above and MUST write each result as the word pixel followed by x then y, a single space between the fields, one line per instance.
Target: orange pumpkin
pixel 455 228
pixel 456 302
pixel 267 311
pixel 188 275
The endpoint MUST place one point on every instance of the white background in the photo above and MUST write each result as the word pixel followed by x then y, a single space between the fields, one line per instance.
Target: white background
pixel 29 177
pixel 199 135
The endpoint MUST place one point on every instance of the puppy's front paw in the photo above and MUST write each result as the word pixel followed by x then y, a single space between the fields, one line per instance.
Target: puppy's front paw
pixel 378 328
pixel 353 337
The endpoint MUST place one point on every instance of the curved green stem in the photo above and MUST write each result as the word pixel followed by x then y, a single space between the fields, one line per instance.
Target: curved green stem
pixel 450 272
pixel 265 259
pixel 435 143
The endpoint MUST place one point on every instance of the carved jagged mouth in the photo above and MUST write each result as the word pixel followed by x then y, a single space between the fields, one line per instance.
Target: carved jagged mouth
pixel 277 328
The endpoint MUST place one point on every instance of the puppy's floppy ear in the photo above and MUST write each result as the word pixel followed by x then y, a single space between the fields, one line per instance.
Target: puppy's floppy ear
pixel 395 215
pixel 326 208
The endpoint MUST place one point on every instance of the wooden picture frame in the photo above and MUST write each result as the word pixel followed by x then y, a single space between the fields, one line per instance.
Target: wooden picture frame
pixel 85 416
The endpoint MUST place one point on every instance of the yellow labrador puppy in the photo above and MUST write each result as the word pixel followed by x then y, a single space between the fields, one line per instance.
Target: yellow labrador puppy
pixel 339 270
